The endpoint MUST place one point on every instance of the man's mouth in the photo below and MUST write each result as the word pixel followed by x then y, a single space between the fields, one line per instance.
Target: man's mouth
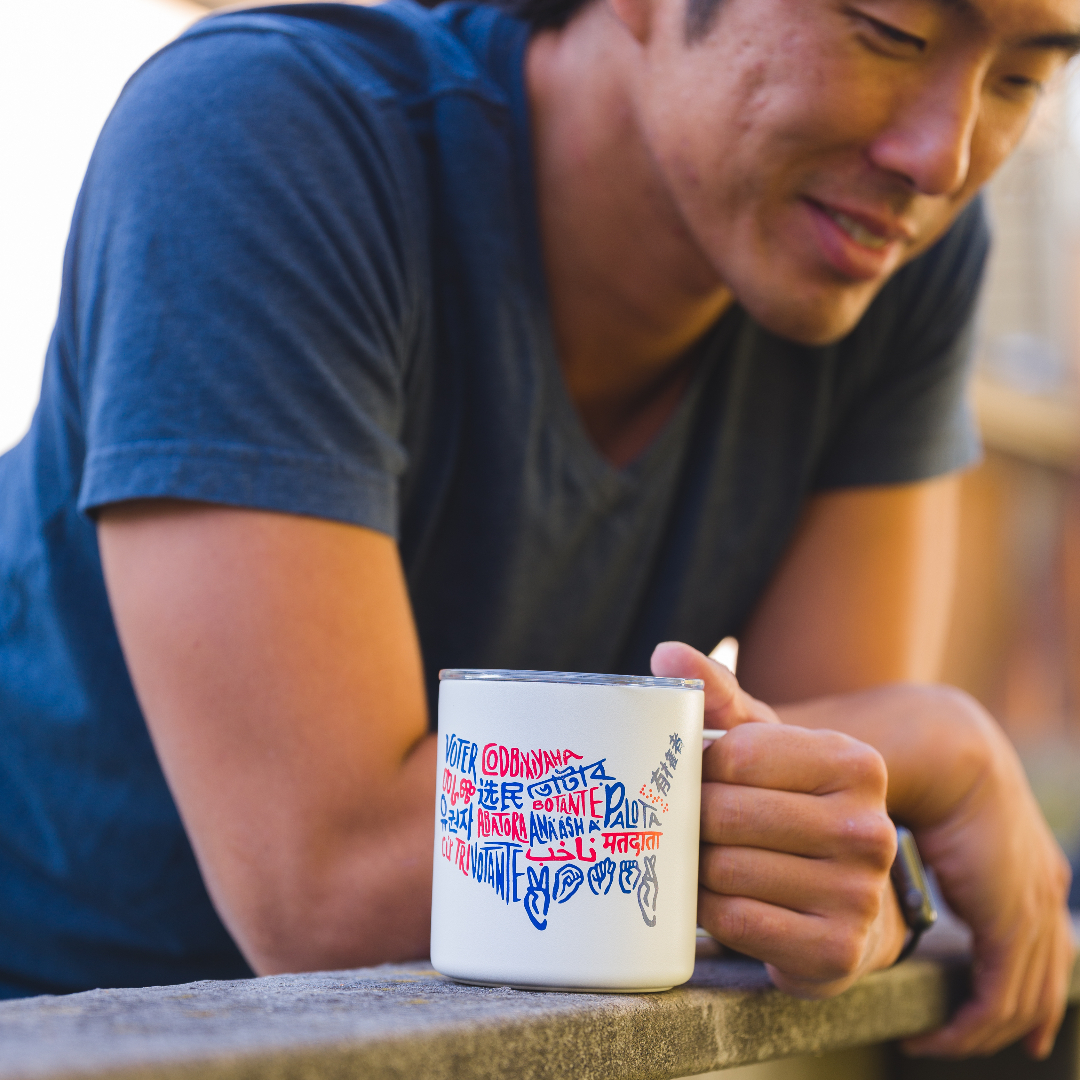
pixel 861 245
pixel 859 233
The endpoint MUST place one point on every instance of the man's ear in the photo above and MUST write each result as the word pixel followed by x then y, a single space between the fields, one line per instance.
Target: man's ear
pixel 636 15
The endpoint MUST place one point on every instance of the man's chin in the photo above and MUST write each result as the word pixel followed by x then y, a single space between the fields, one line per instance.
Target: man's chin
pixel 813 321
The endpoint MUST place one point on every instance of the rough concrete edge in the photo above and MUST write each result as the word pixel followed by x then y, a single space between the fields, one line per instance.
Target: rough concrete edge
pixel 678 1034
pixel 687 1031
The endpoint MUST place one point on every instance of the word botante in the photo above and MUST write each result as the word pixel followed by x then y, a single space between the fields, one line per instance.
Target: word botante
pixel 537 825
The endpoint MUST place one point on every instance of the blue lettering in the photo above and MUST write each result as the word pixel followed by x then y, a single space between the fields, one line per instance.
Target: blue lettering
pixel 614 797
pixel 541 829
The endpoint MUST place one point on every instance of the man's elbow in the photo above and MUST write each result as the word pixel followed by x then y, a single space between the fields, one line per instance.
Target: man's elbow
pixel 354 908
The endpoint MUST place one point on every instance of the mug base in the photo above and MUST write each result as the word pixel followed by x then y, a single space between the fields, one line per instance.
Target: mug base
pixel 545 988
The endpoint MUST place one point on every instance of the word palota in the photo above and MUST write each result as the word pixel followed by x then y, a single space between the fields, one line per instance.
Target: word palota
pixel 511 825
pixel 627 813
pixel 499 760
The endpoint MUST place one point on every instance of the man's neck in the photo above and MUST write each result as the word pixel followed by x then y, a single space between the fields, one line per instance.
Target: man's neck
pixel 630 291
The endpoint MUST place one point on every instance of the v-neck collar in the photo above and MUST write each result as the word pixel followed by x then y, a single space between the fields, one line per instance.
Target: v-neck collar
pixel 505 59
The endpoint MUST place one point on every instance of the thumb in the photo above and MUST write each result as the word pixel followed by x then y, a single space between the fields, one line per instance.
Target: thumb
pixel 726 704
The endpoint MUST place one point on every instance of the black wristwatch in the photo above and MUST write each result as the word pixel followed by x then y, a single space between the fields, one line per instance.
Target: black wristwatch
pixel 912 890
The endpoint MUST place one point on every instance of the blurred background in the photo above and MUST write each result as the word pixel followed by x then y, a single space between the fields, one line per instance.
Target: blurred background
pixel 1015 638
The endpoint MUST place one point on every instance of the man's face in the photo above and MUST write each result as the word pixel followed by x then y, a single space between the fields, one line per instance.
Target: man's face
pixel 812 147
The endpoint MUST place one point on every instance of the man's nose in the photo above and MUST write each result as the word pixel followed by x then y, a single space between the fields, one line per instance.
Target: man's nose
pixel 928 141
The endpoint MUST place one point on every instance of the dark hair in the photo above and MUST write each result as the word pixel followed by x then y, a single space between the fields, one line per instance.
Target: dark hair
pixel 552 14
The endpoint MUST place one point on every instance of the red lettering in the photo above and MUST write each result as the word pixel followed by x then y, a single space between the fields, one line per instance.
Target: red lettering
pixel 515 762
pixel 568 754
pixel 489 760
pixel 504 760
pixel 462 860
pixel 592 804
pixel 518 828
pixel 467 790
pixel 549 761
pixel 549 805
pixel 538 804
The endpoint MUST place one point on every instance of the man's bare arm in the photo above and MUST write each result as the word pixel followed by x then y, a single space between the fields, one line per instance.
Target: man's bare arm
pixel 278 667
pixel 862 596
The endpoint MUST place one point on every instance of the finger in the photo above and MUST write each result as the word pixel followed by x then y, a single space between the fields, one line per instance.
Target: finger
pixel 726 704
pixel 997 985
pixel 799 824
pixel 810 954
pixel 1017 1017
pixel 797 759
pixel 1039 1042
pixel 1029 1008
pixel 808 886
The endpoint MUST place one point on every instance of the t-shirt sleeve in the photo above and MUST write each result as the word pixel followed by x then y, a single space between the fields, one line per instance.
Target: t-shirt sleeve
pixel 902 412
pixel 242 284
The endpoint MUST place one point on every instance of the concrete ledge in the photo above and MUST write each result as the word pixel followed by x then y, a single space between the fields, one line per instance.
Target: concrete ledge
pixel 405 1021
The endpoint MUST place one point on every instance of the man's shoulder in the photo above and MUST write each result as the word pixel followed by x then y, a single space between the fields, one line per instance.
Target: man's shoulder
pixel 394 51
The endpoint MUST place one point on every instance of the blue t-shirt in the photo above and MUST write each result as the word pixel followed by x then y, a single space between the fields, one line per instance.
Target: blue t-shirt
pixel 304 275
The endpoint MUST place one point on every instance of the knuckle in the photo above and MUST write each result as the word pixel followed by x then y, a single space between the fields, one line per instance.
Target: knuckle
pixel 869 837
pixel 856 765
pixel 862 895
pixel 879 840
pixel 843 953
pixel 732 811
pixel 738 753
pixel 723 916
pixel 719 871
pixel 732 921
pixel 868 766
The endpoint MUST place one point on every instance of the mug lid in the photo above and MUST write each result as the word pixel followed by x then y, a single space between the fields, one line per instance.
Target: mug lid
pixel 578 678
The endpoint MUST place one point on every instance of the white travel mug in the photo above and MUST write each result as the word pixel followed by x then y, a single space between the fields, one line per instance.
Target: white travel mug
pixel 567 826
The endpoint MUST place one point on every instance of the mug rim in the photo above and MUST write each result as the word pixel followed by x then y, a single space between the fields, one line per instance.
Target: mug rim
pixel 576 678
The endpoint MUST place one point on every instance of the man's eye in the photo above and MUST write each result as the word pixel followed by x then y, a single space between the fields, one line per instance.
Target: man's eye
pixel 1022 86
pixel 886 38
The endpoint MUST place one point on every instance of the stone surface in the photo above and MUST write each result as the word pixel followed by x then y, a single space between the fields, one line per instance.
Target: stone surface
pixel 406 1021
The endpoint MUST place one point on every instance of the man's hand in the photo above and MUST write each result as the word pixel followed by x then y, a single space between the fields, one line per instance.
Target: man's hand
pixel 1002 872
pixel 796 841
pixel 955 780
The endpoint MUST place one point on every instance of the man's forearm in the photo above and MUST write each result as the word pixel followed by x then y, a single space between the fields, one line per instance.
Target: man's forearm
pixel 935 740
pixel 355 893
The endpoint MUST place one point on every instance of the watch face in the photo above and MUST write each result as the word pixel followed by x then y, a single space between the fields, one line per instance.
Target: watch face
pixel 911 883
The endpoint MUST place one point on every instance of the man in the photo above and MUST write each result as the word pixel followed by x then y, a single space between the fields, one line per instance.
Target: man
pixel 394 340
